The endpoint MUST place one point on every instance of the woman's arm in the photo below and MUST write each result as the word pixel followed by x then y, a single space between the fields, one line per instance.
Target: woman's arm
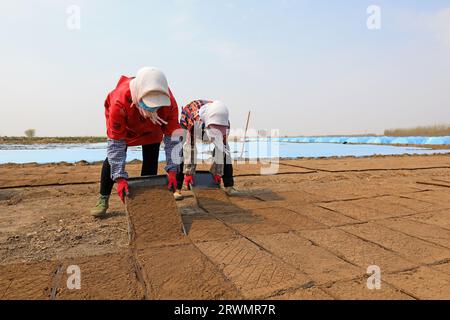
pixel 117 156
pixel 170 150
pixel 222 155
pixel 171 132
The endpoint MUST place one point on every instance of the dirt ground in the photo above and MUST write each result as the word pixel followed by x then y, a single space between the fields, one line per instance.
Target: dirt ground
pixel 309 232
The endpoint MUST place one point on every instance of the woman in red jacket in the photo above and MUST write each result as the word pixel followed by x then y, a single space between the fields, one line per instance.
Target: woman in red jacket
pixel 140 111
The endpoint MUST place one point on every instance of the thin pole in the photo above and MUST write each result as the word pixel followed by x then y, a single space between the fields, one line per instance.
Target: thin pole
pixel 245 134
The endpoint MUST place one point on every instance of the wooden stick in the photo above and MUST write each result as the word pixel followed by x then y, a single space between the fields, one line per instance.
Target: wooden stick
pixel 245 134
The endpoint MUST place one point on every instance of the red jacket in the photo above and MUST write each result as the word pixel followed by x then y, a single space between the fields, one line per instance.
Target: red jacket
pixel 124 122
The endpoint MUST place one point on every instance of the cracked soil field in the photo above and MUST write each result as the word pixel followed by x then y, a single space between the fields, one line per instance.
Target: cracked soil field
pixel 309 232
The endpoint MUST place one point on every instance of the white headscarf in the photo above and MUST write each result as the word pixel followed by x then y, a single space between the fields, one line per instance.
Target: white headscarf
pixel 150 85
pixel 214 113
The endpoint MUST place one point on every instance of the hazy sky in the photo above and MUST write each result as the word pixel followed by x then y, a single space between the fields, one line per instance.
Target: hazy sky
pixel 302 66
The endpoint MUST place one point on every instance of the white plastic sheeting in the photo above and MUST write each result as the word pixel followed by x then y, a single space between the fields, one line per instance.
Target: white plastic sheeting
pixel 370 140
pixel 253 149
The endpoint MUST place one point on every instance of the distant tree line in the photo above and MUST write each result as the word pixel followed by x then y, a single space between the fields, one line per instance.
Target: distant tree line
pixel 432 131
pixel 30 133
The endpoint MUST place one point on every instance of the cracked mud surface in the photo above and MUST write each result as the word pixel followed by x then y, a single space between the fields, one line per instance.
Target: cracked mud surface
pixel 308 233
pixel 154 217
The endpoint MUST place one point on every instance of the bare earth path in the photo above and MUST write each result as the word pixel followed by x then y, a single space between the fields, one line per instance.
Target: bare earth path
pixel 309 232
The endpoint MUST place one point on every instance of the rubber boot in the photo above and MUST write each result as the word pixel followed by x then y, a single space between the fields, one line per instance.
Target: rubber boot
pixel 100 208
pixel 231 191
pixel 178 196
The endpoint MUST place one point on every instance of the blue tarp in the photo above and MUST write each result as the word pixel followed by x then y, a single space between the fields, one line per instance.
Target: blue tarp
pixel 255 149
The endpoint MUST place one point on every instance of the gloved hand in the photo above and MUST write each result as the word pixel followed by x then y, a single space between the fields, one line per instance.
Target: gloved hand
pixel 218 178
pixel 188 180
pixel 122 188
pixel 172 180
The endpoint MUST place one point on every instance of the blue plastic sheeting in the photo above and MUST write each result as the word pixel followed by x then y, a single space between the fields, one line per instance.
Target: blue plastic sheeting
pixel 370 140
pixel 254 149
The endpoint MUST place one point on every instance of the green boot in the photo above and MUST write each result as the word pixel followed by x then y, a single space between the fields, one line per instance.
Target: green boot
pixel 100 208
